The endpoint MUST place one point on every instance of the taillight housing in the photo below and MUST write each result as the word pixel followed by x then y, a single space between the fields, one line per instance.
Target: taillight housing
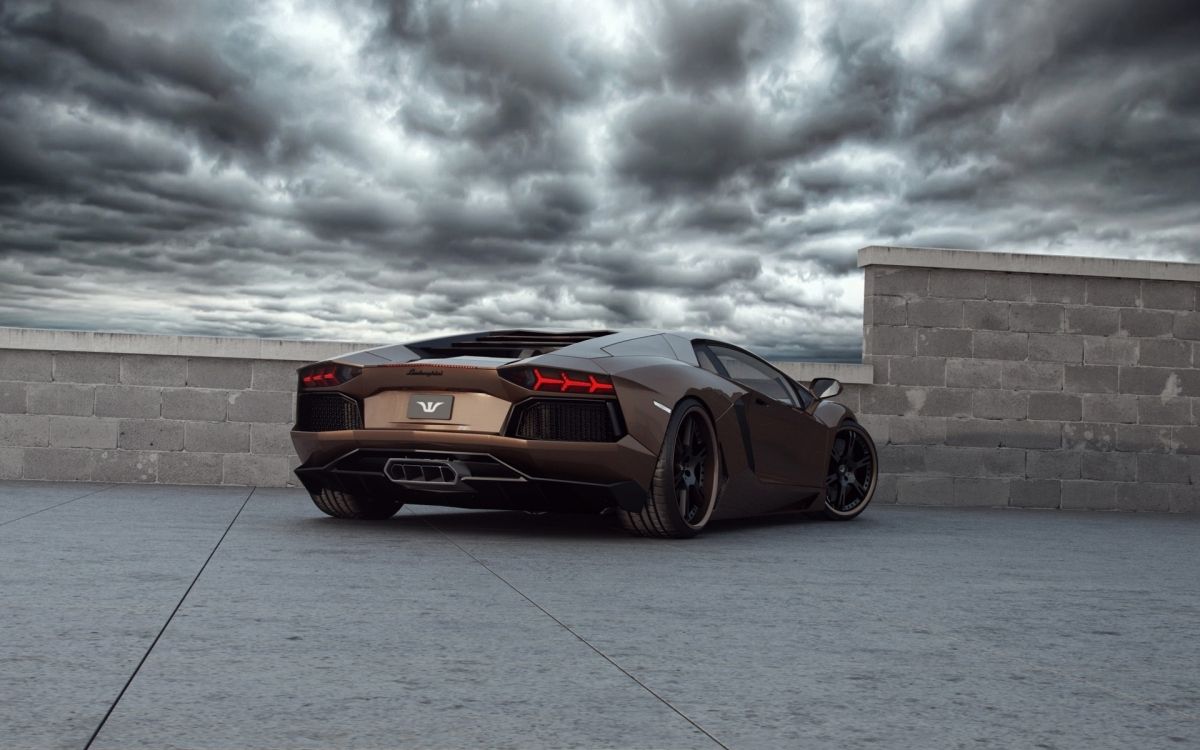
pixel 326 374
pixel 557 380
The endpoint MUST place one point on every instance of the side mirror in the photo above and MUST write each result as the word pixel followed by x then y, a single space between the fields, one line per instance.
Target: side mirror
pixel 825 387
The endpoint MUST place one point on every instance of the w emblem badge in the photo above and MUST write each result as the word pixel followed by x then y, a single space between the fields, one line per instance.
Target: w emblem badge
pixel 421 406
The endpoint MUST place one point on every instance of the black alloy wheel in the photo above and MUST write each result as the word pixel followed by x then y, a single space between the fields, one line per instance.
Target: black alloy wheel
pixel 853 471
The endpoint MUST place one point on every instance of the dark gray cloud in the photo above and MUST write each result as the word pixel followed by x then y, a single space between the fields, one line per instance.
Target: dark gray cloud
pixel 380 170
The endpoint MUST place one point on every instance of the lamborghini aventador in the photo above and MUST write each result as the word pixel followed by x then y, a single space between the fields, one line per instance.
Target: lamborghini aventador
pixel 667 431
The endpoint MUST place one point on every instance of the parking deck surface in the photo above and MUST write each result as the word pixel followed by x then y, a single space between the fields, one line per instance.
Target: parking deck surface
pixel 217 617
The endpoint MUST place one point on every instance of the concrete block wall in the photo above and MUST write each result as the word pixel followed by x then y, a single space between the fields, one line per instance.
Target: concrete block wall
pixel 1033 381
pixel 133 414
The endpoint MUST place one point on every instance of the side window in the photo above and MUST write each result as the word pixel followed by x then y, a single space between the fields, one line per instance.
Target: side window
pixel 706 360
pixel 752 373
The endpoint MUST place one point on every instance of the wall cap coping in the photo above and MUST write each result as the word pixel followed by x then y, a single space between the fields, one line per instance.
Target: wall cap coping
pixel 288 350
pixel 1058 265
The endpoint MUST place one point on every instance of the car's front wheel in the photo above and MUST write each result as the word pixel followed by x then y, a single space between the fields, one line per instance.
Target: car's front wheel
pixel 853 472
pixel 345 505
pixel 684 490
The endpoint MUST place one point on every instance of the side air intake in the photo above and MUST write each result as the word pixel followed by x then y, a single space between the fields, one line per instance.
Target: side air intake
pixel 568 419
pixel 323 412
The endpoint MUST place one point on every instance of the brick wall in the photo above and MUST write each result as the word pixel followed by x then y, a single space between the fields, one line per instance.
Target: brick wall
pixel 1051 389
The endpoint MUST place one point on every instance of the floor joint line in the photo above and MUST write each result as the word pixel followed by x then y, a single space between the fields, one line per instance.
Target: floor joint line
pixel 170 617
pixel 58 505
pixel 581 639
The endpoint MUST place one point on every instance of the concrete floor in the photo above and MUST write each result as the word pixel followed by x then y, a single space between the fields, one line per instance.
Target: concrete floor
pixel 191 617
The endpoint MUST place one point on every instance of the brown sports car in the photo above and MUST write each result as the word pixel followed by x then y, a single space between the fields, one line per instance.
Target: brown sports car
pixel 666 430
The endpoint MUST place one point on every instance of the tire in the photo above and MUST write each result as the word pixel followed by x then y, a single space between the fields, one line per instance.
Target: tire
pixel 853 472
pixel 686 480
pixel 356 507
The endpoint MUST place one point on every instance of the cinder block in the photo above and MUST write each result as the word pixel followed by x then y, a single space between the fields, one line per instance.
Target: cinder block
pixel 1166 468
pixel 1053 464
pixel 957 284
pixel 1109 350
pixel 125 466
pixel 1000 404
pixel 1146 323
pixel 1162 353
pixel 195 403
pixel 917 430
pixel 1140 438
pixel 985 316
pixel 917 371
pixel 1056 347
pixel 61 398
pixel 902 459
pixel 903 282
pixel 925 491
pixel 86 367
pixel 64 464
pixel 1185 499
pixel 214 372
pixel 972 373
pixel 1008 286
pixel 1062 407
pixel 981 492
pixel 946 402
pixel 1186 440
pixel 141 402
pixel 150 369
pixel 1090 436
pixel 271 439
pixel 1150 381
pixel 1114 292
pixel 1087 495
pixel 1169 295
pixel 11 461
pixel 1034 493
pixel 1037 317
pixel 83 432
pixel 981 433
pixel 1108 466
pixel 1144 496
pixel 949 460
pixel 260 406
pixel 21 430
pixel 269 375
pixel 891 399
pixel 876 425
pixel 935 313
pixel 885 490
pixel 150 434
pixel 12 397
pixel 1094 321
pixel 1061 289
pixel 1001 345
pixel 1106 407
pixel 1155 410
pixel 1187 326
pixel 943 342
pixel 1090 379
pixel 258 471
pixel 216 437
pixel 190 468
pixel 25 366
pixel 890 340
pixel 1038 435
pixel 1032 376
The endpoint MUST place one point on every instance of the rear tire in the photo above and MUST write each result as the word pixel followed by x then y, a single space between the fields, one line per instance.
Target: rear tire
pixel 355 507
pixel 683 492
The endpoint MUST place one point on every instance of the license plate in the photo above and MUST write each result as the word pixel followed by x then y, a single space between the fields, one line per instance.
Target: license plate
pixel 429 407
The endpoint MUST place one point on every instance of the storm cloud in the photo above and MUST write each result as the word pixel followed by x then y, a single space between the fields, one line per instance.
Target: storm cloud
pixel 384 170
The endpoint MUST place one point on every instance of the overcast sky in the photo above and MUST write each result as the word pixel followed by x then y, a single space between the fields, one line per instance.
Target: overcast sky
pixel 380 171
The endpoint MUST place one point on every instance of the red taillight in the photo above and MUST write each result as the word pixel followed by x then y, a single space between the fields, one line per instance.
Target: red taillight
pixel 323 375
pixel 559 381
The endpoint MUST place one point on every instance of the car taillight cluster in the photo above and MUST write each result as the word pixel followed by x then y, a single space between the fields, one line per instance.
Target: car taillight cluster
pixel 559 381
pixel 324 375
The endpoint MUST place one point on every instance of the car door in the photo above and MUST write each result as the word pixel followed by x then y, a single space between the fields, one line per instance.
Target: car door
pixel 787 443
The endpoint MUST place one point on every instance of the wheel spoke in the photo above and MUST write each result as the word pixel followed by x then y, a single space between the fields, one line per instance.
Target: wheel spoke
pixel 683 502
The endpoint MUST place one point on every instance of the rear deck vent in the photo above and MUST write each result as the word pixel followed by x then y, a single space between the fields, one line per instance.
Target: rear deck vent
pixel 507 344
pixel 568 419
pixel 323 412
